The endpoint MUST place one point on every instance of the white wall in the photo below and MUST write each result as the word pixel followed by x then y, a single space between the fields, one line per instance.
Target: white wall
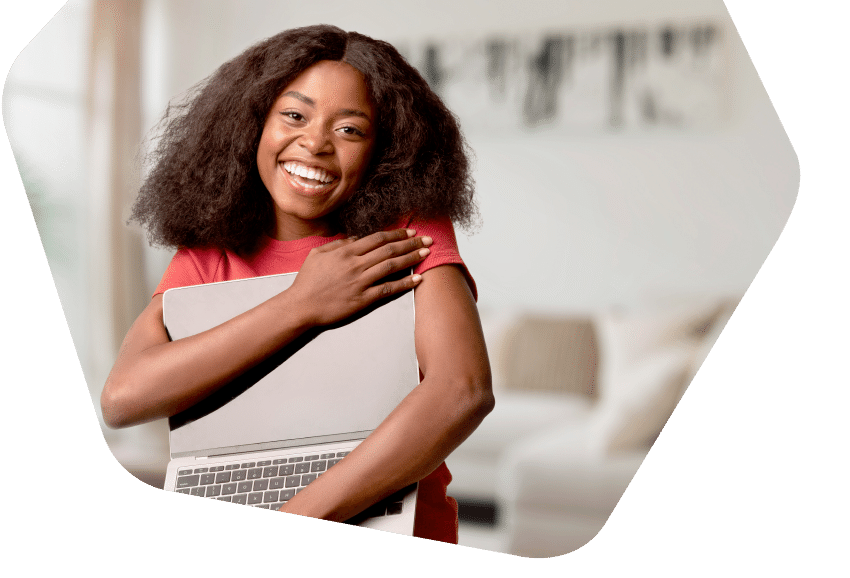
pixel 569 222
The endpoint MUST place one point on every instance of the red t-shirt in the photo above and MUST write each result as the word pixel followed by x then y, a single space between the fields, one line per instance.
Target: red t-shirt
pixel 436 513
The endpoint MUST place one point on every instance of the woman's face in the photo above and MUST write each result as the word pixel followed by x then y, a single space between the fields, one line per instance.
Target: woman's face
pixel 316 144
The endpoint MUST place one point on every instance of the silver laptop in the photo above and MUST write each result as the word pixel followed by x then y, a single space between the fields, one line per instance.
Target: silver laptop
pixel 263 437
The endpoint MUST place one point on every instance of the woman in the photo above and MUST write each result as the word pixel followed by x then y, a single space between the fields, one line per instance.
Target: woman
pixel 307 153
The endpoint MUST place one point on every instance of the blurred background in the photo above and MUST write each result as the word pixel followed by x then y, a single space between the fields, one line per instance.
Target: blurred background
pixel 632 178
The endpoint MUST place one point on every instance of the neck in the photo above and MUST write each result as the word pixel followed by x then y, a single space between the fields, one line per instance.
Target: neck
pixel 292 231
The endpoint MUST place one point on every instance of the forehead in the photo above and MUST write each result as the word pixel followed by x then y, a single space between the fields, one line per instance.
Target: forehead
pixel 330 83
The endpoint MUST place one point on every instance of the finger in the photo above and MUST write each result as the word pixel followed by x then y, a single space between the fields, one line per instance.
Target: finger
pixel 389 288
pixel 379 239
pixel 337 244
pixel 381 254
pixel 387 267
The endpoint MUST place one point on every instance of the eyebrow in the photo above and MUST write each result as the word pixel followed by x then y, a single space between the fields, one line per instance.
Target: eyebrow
pixel 310 102
pixel 303 98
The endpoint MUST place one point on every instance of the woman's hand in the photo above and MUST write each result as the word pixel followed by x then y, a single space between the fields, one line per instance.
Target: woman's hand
pixel 341 278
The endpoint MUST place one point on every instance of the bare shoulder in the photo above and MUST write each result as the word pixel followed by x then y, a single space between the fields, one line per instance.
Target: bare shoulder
pixel 447 322
pixel 443 281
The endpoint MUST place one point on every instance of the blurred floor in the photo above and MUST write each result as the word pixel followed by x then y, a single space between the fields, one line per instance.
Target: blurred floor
pixel 480 536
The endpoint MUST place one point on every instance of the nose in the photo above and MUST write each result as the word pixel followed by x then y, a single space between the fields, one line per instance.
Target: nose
pixel 316 140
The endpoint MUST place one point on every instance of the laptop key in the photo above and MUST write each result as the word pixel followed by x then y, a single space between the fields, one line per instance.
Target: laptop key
pixel 255 473
pixel 293 481
pixel 307 478
pixel 213 491
pixel 276 483
pixel 248 465
pixel 319 466
pixel 222 477
pixel 264 463
pixel 326 456
pixel 270 472
pixel 295 460
pixel 239 475
pixel 201 470
pixel 261 485
pixel 184 472
pixel 333 462
pixel 183 491
pixel 244 487
pixel 270 497
pixel 217 469
pixel 302 468
pixel 255 498
pixel 198 491
pixel 225 498
pixel 311 458
pixel 207 479
pixel 286 495
pixel 286 470
pixel 240 499
pixel 232 467
pixel 228 489
pixel 279 461
pixel 187 481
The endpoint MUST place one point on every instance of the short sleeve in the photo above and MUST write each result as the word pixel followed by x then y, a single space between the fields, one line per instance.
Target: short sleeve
pixel 190 267
pixel 444 250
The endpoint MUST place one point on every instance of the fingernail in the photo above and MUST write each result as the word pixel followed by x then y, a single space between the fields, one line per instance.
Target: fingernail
pixel 416 278
pixel 427 241
pixel 410 232
pixel 424 252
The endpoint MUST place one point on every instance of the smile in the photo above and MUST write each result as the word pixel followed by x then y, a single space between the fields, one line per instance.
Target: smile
pixel 311 178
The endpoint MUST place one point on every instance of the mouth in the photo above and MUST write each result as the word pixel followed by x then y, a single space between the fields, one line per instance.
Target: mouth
pixel 311 178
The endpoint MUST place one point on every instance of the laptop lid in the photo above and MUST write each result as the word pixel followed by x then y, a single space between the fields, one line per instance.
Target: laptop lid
pixel 334 383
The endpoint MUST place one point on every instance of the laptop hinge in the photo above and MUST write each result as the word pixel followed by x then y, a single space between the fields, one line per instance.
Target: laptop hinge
pixel 272 446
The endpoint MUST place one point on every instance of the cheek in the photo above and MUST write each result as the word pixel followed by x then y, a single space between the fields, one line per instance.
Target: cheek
pixel 266 152
pixel 359 162
pixel 266 165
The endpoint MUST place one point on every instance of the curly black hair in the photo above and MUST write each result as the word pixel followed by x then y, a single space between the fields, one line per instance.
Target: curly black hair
pixel 204 189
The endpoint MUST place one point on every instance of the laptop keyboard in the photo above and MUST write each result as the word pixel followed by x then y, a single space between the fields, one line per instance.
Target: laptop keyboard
pixel 269 483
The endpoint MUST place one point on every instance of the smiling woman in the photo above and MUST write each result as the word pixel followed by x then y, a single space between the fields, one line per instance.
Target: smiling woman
pixel 282 156
pixel 315 148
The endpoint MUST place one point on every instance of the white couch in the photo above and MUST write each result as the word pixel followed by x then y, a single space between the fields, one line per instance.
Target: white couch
pixel 579 401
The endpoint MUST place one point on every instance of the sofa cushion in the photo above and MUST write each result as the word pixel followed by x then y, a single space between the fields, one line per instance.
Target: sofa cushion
pixel 549 354
pixel 649 358
pixel 647 392
pixel 555 471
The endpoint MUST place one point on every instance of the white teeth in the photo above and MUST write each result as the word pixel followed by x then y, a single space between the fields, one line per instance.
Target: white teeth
pixel 300 170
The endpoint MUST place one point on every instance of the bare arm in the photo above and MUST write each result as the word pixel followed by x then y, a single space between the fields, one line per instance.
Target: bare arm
pixel 442 411
pixel 154 377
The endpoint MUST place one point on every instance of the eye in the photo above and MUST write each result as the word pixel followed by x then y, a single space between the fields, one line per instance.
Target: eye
pixel 352 130
pixel 294 115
